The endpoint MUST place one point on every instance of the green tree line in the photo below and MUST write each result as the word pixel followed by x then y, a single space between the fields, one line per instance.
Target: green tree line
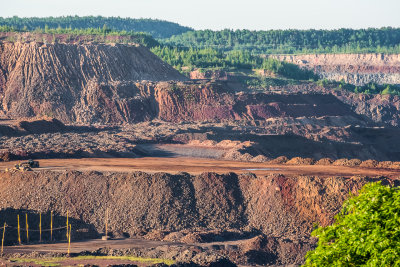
pixel 293 41
pixel 156 28
pixel 138 37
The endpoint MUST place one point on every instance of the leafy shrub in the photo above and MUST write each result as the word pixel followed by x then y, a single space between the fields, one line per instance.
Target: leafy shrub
pixel 366 232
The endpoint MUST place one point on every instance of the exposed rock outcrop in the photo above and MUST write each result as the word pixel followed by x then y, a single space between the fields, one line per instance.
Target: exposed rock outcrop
pixel 357 69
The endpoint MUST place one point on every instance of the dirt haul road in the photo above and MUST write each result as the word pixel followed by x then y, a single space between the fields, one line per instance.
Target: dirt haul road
pixel 197 166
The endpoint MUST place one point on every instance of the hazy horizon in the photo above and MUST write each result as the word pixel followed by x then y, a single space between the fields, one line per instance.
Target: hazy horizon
pixel 223 14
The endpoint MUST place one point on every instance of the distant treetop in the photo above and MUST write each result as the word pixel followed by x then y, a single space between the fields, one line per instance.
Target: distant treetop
pixel 156 28
pixel 293 41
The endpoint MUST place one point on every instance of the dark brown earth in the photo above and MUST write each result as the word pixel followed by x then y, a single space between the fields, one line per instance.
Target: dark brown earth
pixel 277 210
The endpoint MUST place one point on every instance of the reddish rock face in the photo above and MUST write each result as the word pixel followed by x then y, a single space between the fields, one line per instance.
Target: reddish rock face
pixel 78 82
pixel 212 101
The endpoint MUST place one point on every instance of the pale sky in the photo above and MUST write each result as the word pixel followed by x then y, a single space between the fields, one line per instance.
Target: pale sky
pixel 221 14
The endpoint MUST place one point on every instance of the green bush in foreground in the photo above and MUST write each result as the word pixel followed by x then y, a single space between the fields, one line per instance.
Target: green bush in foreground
pixel 365 233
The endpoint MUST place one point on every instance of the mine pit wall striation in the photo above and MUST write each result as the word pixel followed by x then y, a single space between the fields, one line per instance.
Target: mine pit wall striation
pixel 357 69
pixel 138 202
pixel 77 83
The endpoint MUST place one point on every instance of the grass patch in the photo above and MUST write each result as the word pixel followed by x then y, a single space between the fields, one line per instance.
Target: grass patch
pixel 41 262
pixel 57 261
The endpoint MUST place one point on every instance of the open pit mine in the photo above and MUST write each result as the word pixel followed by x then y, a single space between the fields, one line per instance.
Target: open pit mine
pixel 178 169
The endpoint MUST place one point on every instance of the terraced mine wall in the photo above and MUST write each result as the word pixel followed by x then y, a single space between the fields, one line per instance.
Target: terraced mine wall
pixel 357 69
pixel 279 207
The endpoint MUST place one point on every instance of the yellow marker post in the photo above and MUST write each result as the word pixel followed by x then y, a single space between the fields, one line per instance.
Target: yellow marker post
pixel 51 225
pixel 27 227
pixel 2 240
pixel 19 231
pixel 67 224
pixel 69 238
pixel 40 227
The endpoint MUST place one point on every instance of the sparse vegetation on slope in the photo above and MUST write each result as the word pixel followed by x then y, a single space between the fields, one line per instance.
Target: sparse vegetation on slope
pixel 208 58
pixel 370 88
pixel 101 35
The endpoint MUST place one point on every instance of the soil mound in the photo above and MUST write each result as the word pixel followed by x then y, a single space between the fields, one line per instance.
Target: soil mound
pixel 369 163
pixel 260 158
pixel 324 161
pixel 71 81
pixel 347 162
pixel 300 161
pixel 279 160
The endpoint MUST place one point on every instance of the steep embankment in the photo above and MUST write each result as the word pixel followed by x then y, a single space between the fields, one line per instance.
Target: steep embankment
pixel 78 82
pixel 140 203
pixel 274 205
pixel 213 101
pixel 357 69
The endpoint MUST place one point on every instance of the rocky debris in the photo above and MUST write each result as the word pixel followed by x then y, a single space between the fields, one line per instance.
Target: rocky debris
pixel 369 163
pixel 347 162
pixel 224 144
pixel 395 165
pixel 324 161
pixel 279 160
pixel 354 162
pixel 300 137
pixel 386 165
pixel 300 161
pixel 67 145
pixel 236 154
pixel 260 158
pixel 233 154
